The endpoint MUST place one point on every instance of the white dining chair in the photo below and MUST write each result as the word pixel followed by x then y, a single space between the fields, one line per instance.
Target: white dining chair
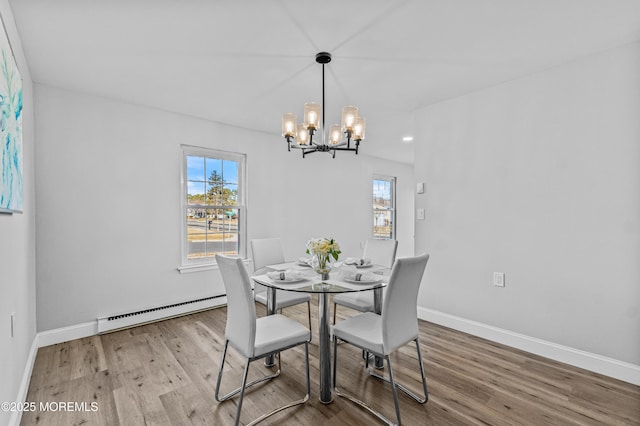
pixel 253 337
pixel 383 334
pixel 381 252
pixel 269 251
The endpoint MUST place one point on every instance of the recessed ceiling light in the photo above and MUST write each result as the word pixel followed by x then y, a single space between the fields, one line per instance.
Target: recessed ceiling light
pixel 407 139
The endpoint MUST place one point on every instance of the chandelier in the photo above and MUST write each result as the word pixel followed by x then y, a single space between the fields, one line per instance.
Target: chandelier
pixel 301 135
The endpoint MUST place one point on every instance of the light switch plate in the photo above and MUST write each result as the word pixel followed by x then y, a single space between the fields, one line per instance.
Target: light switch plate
pixel 420 188
pixel 420 214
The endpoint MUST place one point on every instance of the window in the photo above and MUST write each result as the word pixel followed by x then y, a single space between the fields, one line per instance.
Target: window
pixel 384 207
pixel 213 204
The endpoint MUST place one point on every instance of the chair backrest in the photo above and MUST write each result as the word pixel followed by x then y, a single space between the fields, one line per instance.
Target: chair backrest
pixel 241 309
pixel 381 252
pixel 400 304
pixel 266 251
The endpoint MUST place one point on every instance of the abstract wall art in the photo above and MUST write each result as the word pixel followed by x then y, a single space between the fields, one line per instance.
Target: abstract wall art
pixel 10 129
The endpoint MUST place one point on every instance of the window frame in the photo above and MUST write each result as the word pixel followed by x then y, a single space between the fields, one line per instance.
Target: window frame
pixel 210 262
pixel 392 180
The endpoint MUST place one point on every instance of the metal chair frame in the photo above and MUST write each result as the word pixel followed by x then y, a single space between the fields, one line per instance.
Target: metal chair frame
pixel 245 386
pixel 390 380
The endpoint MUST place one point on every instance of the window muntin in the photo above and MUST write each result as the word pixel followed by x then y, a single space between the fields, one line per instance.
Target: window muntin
pixel 213 205
pixel 384 203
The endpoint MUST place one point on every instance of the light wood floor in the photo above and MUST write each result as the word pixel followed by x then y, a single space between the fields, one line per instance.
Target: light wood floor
pixel 165 374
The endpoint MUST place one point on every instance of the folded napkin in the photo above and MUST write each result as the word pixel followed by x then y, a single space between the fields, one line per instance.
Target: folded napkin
pixel 357 261
pixel 304 261
pixel 354 275
pixel 287 275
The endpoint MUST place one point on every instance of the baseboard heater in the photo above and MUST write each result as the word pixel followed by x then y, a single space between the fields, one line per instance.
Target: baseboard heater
pixel 131 319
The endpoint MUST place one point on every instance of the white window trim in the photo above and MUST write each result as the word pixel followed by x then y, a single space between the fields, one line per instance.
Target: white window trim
pixel 394 211
pixel 187 265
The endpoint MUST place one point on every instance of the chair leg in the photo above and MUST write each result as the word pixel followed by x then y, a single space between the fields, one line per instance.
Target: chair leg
pixel 306 357
pixel 424 380
pixel 393 389
pixel 347 396
pixel 293 403
pixel 243 387
pixel 391 380
pixel 309 315
pixel 224 356
pixel 417 398
pixel 246 385
pixel 335 310
pixel 236 391
pixel 335 359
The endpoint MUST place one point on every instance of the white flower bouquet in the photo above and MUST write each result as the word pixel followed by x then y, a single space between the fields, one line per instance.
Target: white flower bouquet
pixel 322 250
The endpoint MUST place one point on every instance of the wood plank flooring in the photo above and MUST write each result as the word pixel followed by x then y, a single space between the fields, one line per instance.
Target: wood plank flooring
pixel 165 374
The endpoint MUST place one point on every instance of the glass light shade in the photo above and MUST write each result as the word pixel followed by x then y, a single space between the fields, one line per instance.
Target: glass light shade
pixel 303 134
pixel 349 115
pixel 335 134
pixel 312 116
pixel 289 124
pixel 358 128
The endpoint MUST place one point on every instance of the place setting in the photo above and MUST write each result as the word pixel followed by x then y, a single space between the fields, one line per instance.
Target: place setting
pixel 352 274
pixel 358 262
pixel 287 276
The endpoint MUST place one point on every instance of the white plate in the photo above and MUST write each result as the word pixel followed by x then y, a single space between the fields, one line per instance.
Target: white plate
pixel 369 265
pixel 288 281
pixel 363 282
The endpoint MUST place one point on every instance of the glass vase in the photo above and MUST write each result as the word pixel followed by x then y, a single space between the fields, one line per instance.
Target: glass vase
pixel 322 263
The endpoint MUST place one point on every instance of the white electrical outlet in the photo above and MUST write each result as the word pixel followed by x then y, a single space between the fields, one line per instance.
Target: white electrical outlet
pixel 13 322
pixel 498 279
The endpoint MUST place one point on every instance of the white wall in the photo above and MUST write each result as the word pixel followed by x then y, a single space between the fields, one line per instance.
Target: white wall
pixel 539 178
pixel 108 190
pixel 17 249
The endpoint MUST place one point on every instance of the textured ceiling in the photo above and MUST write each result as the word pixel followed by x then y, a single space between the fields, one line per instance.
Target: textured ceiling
pixel 246 62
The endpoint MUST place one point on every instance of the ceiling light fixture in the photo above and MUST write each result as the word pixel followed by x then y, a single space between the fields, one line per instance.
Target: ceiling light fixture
pixel 407 139
pixel 352 126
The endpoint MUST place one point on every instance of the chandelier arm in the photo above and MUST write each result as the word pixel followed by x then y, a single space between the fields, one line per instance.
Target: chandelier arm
pixel 308 151
pixel 346 149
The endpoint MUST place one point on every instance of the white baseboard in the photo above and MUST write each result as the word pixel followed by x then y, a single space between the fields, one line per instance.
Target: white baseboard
pixel 616 369
pixel 16 416
pixel 64 334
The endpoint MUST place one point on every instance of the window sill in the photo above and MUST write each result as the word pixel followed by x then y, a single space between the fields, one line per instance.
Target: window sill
pixel 187 269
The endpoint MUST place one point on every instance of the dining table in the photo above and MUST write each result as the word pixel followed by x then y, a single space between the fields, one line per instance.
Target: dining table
pixel 312 282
